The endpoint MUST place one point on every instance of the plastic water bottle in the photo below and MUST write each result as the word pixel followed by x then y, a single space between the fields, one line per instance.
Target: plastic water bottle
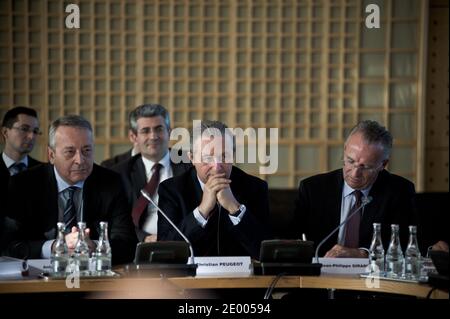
pixel 394 255
pixel 81 251
pixel 103 251
pixel 412 256
pixel 376 252
pixel 60 252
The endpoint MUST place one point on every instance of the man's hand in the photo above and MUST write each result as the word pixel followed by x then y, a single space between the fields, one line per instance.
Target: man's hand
pixel 215 183
pixel 151 238
pixel 227 200
pixel 339 251
pixel 72 238
pixel 440 245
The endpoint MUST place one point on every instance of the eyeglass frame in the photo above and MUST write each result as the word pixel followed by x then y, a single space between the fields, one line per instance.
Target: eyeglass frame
pixel 26 130
pixel 363 168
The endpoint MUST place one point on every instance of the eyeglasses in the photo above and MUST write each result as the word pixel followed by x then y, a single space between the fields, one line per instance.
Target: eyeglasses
pixel 364 168
pixel 26 130
pixel 147 130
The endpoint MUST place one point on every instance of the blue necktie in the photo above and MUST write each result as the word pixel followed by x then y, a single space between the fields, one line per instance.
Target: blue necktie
pixel 69 217
pixel 16 168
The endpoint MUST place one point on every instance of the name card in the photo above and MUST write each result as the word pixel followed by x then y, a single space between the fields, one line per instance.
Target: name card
pixel 344 266
pixel 223 265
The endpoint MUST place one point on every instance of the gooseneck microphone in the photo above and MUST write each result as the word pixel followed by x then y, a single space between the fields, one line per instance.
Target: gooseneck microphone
pixel 147 196
pixel 365 201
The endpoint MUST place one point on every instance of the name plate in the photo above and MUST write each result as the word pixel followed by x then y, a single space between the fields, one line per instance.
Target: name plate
pixel 344 266
pixel 223 265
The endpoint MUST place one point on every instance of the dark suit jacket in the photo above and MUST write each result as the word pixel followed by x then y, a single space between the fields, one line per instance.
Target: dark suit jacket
pixel 34 205
pixel 318 208
pixel 6 225
pixel 179 196
pixel 110 162
pixel 134 179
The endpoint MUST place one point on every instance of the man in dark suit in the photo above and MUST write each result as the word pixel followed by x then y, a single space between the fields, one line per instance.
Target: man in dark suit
pixel 70 189
pixel 325 200
pixel 150 131
pixel 222 210
pixel 20 127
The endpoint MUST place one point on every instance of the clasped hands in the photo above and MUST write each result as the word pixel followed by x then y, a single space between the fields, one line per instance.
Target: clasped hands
pixel 217 190
pixel 72 238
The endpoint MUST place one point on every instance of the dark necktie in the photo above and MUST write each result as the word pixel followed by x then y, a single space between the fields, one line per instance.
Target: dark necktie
pixel 16 168
pixel 142 202
pixel 352 228
pixel 69 217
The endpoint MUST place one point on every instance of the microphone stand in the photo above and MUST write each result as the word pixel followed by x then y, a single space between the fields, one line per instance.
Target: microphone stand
pixel 365 201
pixel 147 196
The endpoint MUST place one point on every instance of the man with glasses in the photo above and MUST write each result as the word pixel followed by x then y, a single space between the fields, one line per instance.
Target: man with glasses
pixel 20 127
pixel 221 209
pixel 150 131
pixel 325 200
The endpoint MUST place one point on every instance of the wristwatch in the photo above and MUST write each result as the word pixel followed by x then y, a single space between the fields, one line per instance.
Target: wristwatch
pixel 241 210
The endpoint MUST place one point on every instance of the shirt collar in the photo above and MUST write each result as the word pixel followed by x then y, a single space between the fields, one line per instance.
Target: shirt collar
pixel 62 185
pixel 348 190
pixel 165 162
pixel 9 161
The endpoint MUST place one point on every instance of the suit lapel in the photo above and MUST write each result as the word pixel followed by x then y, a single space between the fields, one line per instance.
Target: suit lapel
pixel 52 198
pixel 137 176
pixel 336 197
pixel 195 190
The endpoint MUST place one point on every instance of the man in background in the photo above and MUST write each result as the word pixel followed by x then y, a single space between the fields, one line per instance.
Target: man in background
pixel 150 131
pixel 20 127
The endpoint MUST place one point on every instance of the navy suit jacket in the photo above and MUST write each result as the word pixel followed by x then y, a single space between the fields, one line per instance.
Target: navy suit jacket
pixel 33 203
pixel 318 208
pixel 179 196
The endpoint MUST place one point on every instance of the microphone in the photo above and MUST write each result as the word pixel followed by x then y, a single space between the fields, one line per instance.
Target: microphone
pixel 365 201
pixel 147 196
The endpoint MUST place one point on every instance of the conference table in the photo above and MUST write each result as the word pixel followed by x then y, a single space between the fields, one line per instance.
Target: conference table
pixel 141 286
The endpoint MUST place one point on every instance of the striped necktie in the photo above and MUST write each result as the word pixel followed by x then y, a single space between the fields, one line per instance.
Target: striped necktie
pixel 69 217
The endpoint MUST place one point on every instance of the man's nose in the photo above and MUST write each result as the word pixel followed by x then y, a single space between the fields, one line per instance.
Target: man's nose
pixel 78 158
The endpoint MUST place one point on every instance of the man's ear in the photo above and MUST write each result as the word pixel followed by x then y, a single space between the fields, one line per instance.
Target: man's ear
pixel 51 155
pixel 385 162
pixel 4 132
pixel 131 136
pixel 190 156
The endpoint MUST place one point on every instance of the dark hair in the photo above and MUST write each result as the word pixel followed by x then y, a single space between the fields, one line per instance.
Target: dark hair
pixel 11 116
pixel 68 120
pixel 374 133
pixel 148 110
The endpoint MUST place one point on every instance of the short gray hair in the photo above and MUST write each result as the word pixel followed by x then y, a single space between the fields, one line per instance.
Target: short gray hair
pixel 374 133
pixel 147 110
pixel 68 120
pixel 206 125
